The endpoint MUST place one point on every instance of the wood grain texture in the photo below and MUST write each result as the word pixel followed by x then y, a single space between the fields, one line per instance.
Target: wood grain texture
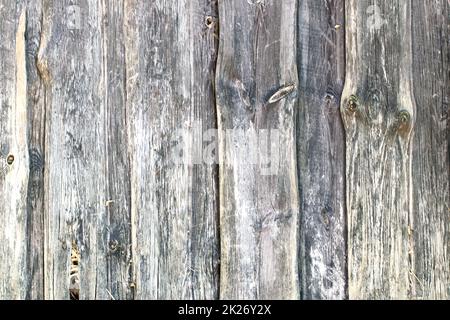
pixel 256 84
pixel 378 112
pixel 324 189
pixel 170 54
pixel 320 149
pixel 74 62
pixel 36 139
pixel 118 201
pixel 14 159
pixel 430 155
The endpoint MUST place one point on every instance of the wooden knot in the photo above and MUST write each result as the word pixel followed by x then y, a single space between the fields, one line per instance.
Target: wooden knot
pixel 113 245
pixel 404 117
pixel 10 159
pixel 281 93
pixel 255 2
pixel 352 103
pixel 403 120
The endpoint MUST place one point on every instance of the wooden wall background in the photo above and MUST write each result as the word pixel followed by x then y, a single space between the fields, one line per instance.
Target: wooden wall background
pixel 92 91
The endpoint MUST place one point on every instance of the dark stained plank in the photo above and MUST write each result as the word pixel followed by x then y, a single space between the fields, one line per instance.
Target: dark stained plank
pixel 378 112
pixel 320 149
pixel 256 84
pixel 430 157
pixel 36 136
pixel 170 54
pixel 14 158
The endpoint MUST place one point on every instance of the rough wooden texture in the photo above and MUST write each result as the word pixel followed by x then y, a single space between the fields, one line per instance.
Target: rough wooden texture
pixel 14 174
pixel 170 54
pixel 320 149
pixel 256 83
pixel 87 170
pixel 378 112
pixel 118 203
pixel 94 95
pixel 36 140
pixel 430 155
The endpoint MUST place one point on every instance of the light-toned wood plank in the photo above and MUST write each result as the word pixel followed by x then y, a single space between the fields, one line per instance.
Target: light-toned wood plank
pixel 73 64
pixel 378 110
pixel 14 158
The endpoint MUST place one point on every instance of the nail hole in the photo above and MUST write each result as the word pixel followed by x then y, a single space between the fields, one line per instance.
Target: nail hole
pixel 209 21
pixel 10 159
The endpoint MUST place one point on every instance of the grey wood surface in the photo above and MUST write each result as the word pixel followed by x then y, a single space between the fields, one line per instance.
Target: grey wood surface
pixel 14 158
pixel 378 110
pixel 71 65
pixel 118 170
pixel 320 149
pixel 325 174
pixel 256 88
pixel 170 56
pixel 430 152
pixel 36 150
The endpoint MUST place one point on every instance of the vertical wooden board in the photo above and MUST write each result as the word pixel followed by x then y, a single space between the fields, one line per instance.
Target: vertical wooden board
pixel 71 66
pixel 36 138
pixel 430 157
pixel 320 149
pixel 14 159
pixel 118 201
pixel 256 83
pixel 378 113
pixel 170 53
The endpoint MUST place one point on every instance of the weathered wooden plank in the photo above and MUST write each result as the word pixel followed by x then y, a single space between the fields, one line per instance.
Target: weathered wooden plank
pixel 92 94
pixel 430 155
pixel 256 83
pixel 71 67
pixel 170 53
pixel 320 149
pixel 118 167
pixel 14 159
pixel 378 113
pixel 36 138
